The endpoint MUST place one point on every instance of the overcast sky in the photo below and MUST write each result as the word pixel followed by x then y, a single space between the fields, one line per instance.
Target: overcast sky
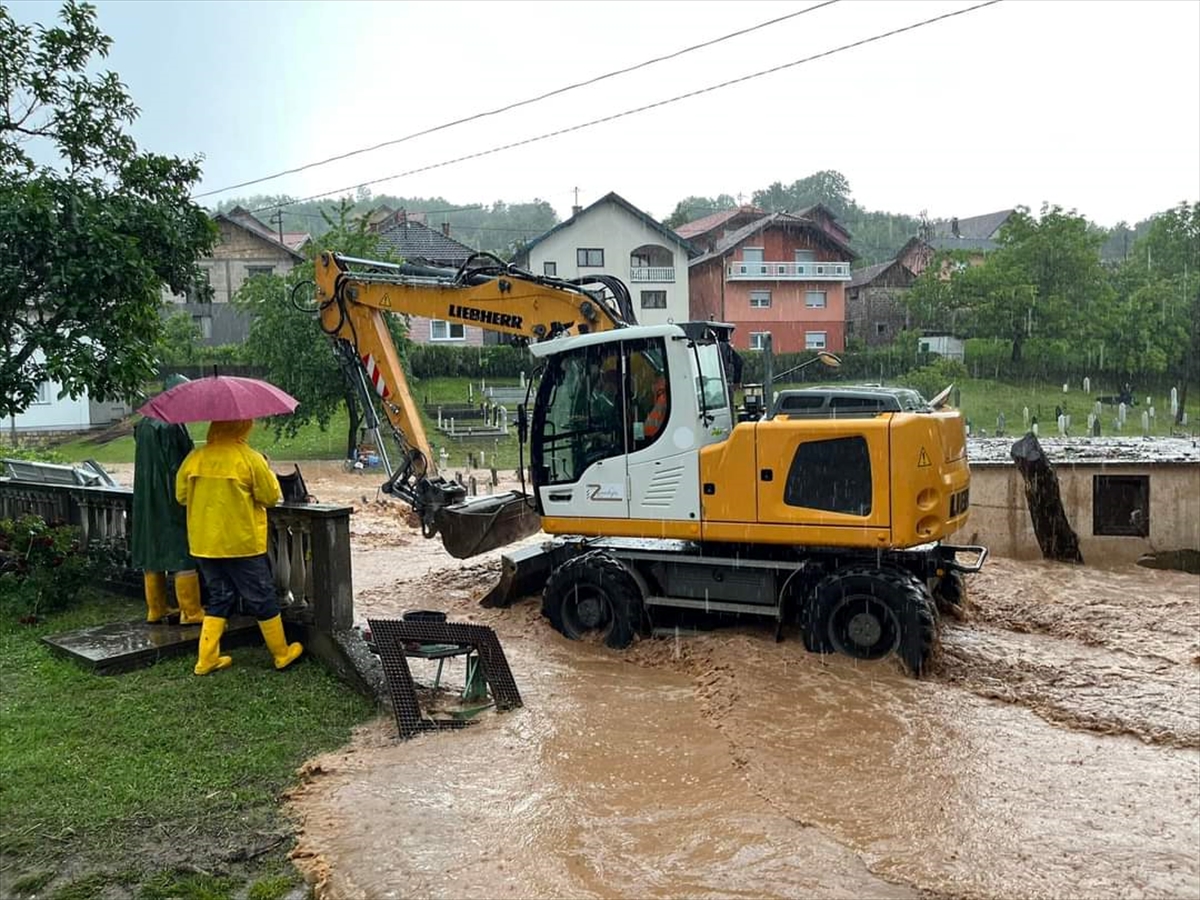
pixel 1091 105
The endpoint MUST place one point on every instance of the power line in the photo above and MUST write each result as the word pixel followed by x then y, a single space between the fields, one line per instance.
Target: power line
pixel 649 106
pixel 411 212
pixel 519 103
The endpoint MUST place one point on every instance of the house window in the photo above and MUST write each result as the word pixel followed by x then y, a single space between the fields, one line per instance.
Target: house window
pixel 1121 505
pixel 441 330
pixel 589 257
pixel 814 299
pixel 881 328
pixel 758 339
pixel 255 271
pixel 814 340
pixel 760 299
pixel 753 257
pixel 654 299
pixel 806 256
pixel 203 325
pixel 43 394
pixel 550 268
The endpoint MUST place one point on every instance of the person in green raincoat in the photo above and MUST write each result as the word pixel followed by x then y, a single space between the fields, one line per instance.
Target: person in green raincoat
pixel 159 538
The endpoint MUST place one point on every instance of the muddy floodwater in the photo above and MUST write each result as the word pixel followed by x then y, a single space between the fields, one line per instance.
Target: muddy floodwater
pixel 1054 751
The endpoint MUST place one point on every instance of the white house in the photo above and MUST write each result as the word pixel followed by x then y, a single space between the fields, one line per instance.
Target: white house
pixel 614 237
pixel 49 413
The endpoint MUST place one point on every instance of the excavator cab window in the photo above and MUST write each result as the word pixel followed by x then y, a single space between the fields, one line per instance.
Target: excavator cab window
pixel 596 403
pixel 582 404
pixel 649 391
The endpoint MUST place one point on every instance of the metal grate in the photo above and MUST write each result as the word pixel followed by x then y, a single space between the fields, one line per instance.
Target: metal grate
pixel 391 636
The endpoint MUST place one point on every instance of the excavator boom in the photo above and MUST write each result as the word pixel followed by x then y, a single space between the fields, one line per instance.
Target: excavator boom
pixel 353 298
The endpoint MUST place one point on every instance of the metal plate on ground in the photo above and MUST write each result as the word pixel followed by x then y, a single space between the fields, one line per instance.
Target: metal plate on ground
pixel 390 637
pixel 123 646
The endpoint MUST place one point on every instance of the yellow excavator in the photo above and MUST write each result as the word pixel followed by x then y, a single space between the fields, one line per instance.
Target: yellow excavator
pixel 826 508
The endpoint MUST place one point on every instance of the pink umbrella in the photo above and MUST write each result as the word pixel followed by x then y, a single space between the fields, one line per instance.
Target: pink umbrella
pixel 219 398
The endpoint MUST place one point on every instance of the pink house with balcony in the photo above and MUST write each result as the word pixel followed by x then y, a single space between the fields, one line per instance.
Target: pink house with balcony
pixel 780 274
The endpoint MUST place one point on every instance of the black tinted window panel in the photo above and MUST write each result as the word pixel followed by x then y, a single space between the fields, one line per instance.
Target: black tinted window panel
pixel 833 475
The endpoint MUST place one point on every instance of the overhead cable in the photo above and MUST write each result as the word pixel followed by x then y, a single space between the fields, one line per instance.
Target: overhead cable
pixel 512 106
pixel 629 112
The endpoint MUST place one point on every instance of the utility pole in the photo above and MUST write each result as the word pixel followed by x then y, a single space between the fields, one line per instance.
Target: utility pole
pixel 277 219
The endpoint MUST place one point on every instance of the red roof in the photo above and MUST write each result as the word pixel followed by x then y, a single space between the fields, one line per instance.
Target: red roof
pixel 689 230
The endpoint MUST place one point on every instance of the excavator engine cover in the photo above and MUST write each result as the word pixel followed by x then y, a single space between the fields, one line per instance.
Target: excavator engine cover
pixel 485 523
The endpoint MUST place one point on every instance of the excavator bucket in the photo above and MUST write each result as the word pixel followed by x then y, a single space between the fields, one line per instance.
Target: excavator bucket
pixel 485 523
pixel 523 572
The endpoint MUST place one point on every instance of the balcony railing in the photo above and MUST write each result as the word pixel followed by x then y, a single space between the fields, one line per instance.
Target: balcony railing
pixel 788 271
pixel 661 274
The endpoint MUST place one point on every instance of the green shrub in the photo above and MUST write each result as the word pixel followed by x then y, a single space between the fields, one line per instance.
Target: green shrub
pixel 494 361
pixel 34 454
pixel 44 567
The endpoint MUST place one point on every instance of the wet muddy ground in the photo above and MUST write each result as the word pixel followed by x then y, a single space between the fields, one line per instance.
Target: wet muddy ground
pixel 1053 752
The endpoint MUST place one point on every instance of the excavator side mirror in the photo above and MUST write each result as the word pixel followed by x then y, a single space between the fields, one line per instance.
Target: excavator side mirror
pixel 522 423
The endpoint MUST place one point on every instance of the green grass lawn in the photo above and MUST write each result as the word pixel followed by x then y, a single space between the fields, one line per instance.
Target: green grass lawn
pixel 149 780
pixel 311 442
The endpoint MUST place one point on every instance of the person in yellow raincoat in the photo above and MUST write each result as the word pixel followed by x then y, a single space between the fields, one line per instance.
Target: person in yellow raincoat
pixel 227 488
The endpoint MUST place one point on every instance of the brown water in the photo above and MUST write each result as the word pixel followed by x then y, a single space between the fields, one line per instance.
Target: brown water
pixel 1052 754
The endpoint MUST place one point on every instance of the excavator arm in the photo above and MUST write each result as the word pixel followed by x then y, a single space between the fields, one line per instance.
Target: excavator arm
pixel 353 297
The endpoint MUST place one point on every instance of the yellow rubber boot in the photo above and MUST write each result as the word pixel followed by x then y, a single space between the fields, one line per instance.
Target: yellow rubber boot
pixel 284 653
pixel 187 592
pixel 210 647
pixel 155 587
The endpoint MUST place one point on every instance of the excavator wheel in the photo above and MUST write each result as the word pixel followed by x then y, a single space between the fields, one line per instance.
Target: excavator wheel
pixel 594 596
pixel 869 613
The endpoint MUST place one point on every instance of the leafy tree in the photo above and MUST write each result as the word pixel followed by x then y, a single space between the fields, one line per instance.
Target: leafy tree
pixel 827 186
pixel 86 244
pixel 1045 279
pixel 178 344
pixel 288 341
pixel 1159 307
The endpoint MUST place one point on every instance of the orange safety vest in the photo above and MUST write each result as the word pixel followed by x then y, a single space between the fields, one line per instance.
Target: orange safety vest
pixel 657 417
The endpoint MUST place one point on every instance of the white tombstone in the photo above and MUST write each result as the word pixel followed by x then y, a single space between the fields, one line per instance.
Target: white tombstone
pixel 1097 409
pixel 1087 384
pixel 452 424
pixel 1145 423
pixel 1091 422
pixel 522 380
pixel 482 460
pixel 1025 417
pixel 1035 429
pixel 1174 402
pixel 440 423
pixel 1062 425
pixel 1122 412
pixel 1065 386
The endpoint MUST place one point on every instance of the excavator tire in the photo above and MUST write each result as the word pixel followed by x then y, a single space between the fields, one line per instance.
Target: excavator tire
pixel 594 596
pixel 869 613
